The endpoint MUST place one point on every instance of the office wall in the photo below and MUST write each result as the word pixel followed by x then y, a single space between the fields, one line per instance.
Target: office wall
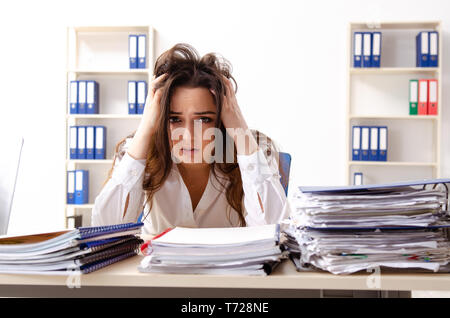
pixel 289 59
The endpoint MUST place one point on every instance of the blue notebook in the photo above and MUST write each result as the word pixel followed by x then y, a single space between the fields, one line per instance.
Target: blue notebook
pixel 88 268
pixel 94 231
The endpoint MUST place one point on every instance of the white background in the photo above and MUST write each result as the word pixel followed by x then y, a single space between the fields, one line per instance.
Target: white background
pixel 289 59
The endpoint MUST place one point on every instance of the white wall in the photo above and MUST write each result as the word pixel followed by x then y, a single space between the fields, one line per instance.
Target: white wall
pixel 289 59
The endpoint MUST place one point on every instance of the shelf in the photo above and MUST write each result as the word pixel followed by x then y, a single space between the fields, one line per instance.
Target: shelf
pixel 125 28
pixel 80 206
pixel 380 96
pixel 101 53
pixel 144 71
pixel 392 163
pixel 396 25
pixel 103 116
pixel 90 161
pixel 405 117
pixel 392 70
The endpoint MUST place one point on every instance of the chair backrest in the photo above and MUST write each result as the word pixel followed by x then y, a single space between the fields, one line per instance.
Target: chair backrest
pixel 9 168
pixel 284 168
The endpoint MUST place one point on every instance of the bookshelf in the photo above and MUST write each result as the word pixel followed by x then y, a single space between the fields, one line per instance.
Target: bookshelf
pixel 100 53
pixel 380 97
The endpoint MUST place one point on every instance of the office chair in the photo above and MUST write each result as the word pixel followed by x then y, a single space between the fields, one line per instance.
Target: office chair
pixel 9 168
pixel 284 168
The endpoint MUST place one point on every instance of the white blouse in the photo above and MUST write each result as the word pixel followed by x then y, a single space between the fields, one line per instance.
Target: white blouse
pixel 172 203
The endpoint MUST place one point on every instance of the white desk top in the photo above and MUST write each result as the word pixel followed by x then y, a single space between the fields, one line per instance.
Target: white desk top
pixel 285 276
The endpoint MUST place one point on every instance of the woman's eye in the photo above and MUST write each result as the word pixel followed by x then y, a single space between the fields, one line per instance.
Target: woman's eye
pixel 206 120
pixel 174 120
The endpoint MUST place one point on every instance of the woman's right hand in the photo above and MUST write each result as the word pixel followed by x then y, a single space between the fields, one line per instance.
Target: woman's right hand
pixel 140 144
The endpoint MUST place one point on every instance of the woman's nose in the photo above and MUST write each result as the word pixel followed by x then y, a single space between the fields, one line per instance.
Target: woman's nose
pixel 193 131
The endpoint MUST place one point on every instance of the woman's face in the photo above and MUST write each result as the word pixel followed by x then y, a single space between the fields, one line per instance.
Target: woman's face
pixel 192 112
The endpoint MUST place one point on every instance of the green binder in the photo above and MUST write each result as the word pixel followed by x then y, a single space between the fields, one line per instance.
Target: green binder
pixel 413 96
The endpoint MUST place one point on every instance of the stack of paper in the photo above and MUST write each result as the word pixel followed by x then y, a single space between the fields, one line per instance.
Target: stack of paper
pixel 236 251
pixel 348 229
pixel 82 250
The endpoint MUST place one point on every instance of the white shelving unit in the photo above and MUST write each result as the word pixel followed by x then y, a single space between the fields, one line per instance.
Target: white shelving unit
pixel 100 53
pixel 380 96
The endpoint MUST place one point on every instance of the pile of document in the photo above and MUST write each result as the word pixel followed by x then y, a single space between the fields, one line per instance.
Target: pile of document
pixel 348 229
pixel 81 250
pixel 251 250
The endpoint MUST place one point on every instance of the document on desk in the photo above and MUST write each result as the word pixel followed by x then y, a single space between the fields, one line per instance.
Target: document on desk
pixel 238 251
pixel 348 229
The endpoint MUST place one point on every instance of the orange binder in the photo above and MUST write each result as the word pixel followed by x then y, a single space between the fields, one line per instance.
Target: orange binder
pixel 422 107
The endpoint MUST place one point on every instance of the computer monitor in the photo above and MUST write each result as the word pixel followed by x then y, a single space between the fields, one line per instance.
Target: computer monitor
pixel 9 168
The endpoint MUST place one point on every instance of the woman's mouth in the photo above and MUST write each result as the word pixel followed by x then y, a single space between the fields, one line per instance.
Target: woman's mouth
pixel 189 150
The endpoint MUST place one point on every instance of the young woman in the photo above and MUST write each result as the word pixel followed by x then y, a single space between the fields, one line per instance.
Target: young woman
pixel 192 162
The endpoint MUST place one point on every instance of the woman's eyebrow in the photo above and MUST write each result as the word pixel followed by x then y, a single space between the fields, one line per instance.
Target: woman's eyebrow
pixel 196 113
pixel 206 112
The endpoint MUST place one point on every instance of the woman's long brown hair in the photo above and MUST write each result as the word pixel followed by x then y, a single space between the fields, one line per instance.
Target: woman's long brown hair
pixel 185 67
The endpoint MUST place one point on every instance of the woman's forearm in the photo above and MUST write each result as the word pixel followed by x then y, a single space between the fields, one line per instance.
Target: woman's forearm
pixel 140 144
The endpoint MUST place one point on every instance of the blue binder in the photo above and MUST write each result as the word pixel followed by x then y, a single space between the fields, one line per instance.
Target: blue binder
pixel 356 142
pixel 434 48
pixel 132 50
pixel 100 142
pixel 92 97
pixel 81 186
pixel 132 102
pixel 357 178
pixel 71 187
pixel 367 49
pixel 142 51
pixel 73 97
pixel 365 142
pixel 422 49
pixel 90 142
pixel 73 139
pixel 383 143
pixel 376 49
pixel 81 150
pixel 357 49
pixel 373 153
pixel 82 97
pixel 141 96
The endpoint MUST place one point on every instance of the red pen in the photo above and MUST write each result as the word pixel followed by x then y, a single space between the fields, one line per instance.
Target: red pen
pixel 146 244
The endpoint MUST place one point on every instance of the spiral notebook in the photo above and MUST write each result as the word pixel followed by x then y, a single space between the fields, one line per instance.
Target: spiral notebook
pixel 44 243
pixel 68 253
pixel 130 247
pixel 81 250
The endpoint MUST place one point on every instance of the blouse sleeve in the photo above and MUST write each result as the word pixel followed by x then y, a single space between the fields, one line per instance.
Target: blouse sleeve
pixel 126 178
pixel 265 200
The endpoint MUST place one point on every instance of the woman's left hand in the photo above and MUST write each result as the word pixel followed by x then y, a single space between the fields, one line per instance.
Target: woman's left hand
pixel 234 121
pixel 231 113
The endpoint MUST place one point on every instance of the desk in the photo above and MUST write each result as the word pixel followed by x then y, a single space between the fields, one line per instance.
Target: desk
pixel 123 279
